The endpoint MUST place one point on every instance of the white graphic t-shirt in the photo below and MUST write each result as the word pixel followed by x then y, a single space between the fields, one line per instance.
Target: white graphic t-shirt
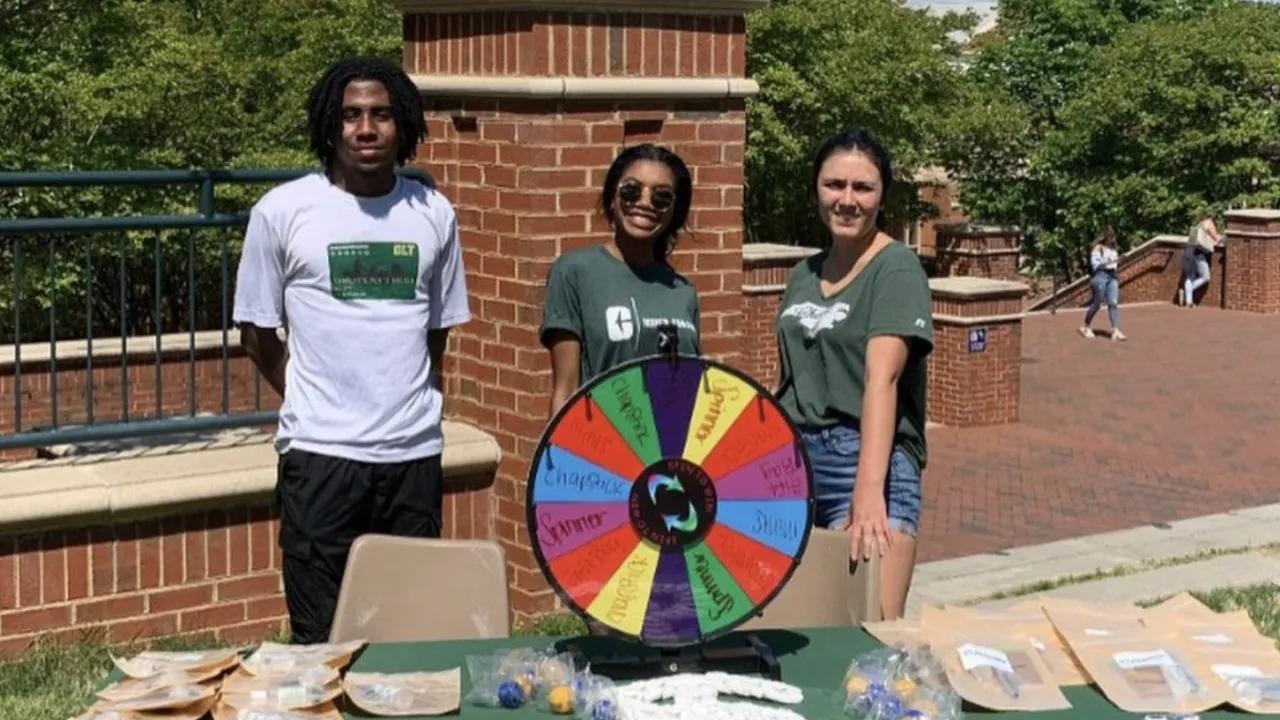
pixel 357 283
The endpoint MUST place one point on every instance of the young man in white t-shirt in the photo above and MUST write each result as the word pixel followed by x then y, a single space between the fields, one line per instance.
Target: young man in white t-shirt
pixel 364 270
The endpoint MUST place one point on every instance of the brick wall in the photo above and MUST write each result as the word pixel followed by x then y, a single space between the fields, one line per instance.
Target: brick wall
pixel 1253 261
pixel 944 196
pixel 215 572
pixel 976 382
pixel 525 175
pixel 970 250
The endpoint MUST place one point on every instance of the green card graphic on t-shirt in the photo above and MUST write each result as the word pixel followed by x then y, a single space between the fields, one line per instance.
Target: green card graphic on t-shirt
pixel 373 270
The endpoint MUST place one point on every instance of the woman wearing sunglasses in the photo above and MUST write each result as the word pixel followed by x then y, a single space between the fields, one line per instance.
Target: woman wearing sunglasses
pixel 854 328
pixel 606 303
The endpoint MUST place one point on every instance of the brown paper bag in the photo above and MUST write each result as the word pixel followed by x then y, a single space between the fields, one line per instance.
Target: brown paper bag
pixel 392 694
pixel 1029 621
pixel 1251 673
pixel 276 658
pixel 997 669
pixel 1146 671
pixel 1229 631
pixel 327 711
pixel 130 687
pixel 1079 622
pixel 178 701
pixel 202 663
pixel 106 711
pixel 280 692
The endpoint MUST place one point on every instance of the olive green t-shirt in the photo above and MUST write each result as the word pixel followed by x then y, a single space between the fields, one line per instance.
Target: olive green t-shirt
pixel 822 342
pixel 615 310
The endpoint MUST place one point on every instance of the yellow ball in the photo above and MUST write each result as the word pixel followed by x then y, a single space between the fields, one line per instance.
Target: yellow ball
pixel 525 684
pixel 560 699
pixel 856 685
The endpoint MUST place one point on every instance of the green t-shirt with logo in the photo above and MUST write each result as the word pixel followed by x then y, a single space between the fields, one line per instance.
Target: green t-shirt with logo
pixel 822 342
pixel 616 310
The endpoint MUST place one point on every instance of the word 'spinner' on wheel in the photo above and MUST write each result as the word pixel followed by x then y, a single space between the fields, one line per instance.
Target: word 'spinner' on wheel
pixel 669 500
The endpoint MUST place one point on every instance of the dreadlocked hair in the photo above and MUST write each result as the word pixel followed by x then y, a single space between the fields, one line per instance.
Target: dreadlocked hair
pixel 324 106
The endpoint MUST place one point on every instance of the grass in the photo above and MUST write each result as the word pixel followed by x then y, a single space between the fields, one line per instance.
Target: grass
pixel 53 681
pixel 1041 586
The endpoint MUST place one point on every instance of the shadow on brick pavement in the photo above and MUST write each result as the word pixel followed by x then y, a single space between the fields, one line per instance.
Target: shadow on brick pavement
pixel 1182 420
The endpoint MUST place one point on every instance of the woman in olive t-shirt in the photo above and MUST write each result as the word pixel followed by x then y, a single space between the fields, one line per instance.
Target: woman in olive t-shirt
pixel 605 304
pixel 854 329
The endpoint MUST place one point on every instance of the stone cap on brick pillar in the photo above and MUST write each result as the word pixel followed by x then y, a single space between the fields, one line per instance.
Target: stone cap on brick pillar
pixel 967 300
pixel 1256 222
pixel 766 266
pixel 683 7
pixel 578 49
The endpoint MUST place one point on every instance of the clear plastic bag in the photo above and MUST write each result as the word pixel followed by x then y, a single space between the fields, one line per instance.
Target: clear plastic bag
pixel 895 683
pixel 506 679
pixel 596 698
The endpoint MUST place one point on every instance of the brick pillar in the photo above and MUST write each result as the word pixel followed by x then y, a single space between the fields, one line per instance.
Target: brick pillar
pixel 964 249
pixel 765 269
pixel 975 368
pixel 528 101
pixel 1252 266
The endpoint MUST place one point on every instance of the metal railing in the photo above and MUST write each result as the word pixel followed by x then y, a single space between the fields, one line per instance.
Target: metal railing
pixel 51 260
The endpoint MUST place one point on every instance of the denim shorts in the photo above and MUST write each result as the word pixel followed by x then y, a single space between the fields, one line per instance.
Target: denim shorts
pixel 833 453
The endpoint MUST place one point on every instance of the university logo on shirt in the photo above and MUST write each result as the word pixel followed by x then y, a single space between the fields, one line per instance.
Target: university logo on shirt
pixel 816 318
pixel 619 323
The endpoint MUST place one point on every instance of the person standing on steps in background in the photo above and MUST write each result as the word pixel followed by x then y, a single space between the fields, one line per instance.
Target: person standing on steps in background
pixel 1104 261
pixel 1202 238
pixel 854 329
pixel 607 304
pixel 364 269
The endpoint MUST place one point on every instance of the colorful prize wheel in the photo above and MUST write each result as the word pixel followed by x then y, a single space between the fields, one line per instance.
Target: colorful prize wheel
pixel 670 500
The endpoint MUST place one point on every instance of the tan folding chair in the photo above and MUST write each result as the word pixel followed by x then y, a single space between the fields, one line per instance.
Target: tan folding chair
pixel 826 589
pixel 399 589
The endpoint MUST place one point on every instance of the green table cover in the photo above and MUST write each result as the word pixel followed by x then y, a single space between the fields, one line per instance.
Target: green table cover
pixel 813 659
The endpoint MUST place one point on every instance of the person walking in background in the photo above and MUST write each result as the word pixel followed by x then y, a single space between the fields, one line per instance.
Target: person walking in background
pixel 1104 261
pixel 1202 238
pixel 366 268
pixel 854 330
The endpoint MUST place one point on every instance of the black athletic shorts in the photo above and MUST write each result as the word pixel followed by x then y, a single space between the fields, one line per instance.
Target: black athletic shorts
pixel 325 504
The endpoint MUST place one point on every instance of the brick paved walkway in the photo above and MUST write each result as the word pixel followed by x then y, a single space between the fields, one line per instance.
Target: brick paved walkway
pixel 1182 420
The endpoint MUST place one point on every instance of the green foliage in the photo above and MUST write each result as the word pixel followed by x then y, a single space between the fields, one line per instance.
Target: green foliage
pixel 827 65
pixel 1131 113
pixel 154 84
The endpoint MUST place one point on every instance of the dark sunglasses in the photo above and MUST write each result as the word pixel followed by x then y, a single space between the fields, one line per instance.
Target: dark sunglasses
pixel 661 198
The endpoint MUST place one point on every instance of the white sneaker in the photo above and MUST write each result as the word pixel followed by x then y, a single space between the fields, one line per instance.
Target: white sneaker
pixel 1085 331
pixel 1182 301
pixel 1118 336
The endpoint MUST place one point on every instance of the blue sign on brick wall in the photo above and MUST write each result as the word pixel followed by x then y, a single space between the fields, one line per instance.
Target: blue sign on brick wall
pixel 977 340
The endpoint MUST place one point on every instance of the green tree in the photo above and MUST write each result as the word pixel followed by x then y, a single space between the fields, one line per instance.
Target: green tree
pixel 1042 60
pixel 1172 117
pixel 153 84
pixel 824 66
